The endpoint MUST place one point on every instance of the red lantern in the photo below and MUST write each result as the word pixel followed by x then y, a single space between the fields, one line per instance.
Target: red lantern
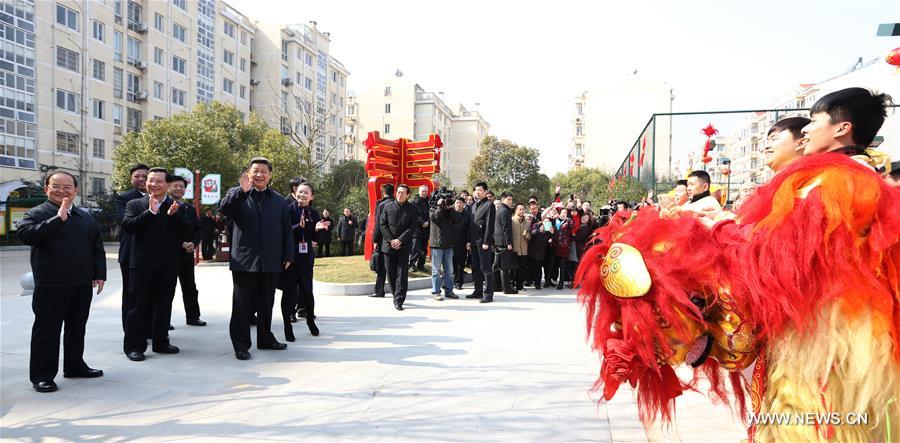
pixel 726 172
pixel 893 58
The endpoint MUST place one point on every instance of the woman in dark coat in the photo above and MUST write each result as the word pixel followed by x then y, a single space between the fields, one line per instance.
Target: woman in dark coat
pixel 296 282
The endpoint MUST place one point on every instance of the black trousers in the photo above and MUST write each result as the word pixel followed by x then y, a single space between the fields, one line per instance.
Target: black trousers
pixel 346 247
pixel 296 284
pixel 482 262
pixel 189 291
pixel 380 272
pixel 418 252
pixel 397 265
pixel 53 307
pixel 208 248
pixel 152 291
pixel 126 291
pixel 535 269
pixel 252 290
pixel 551 267
pixel 327 247
pixel 459 266
pixel 506 279
pixel 520 274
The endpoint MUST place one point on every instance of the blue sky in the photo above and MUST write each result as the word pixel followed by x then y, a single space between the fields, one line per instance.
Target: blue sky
pixel 526 61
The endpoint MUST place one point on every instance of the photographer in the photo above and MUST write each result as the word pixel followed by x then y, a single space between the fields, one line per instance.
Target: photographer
pixel 420 235
pixel 444 221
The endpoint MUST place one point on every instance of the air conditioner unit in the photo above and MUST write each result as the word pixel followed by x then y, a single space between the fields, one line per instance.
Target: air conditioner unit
pixel 140 64
pixel 254 82
pixel 287 81
pixel 140 28
pixel 140 95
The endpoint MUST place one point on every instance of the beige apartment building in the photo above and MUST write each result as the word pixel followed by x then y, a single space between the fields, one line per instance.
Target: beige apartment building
pixel 88 72
pixel 301 88
pixel 400 108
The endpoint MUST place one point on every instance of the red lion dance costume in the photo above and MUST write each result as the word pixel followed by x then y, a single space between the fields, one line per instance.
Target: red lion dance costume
pixel 805 282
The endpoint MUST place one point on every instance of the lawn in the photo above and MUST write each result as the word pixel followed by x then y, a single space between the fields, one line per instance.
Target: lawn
pixel 353 269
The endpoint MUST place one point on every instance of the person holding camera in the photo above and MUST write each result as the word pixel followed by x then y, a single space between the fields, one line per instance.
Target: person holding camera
pixel 420 235
pixel 444 220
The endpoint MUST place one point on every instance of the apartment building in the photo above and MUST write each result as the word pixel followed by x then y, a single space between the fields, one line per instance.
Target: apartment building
pixel 88 72
pixel 301 88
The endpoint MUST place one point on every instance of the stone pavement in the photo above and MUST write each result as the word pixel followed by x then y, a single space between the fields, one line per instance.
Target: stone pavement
pixel 515 370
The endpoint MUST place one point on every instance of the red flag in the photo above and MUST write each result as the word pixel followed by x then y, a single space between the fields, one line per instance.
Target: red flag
pixel 631 164
pixel 643 152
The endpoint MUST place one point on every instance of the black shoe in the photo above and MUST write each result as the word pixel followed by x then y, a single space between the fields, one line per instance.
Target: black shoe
pixel 171 328
pixel 135 355
pixel 559 286
pixel 459 286
pixel 45 386
pixel 511 292
pixel 289 334
pixel 242 355
pixel 398 307
pixel 486 300
pixel 196 322
pixel 376 296
pixel 452 295
pixel 84 373
pixel 537 287
pixel 475 295
pixel 313 329
pixel 169 349
pixel 275 346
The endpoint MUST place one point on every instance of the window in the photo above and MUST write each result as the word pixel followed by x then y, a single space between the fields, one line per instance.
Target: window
pixel 66 142
pixel 135 14
pixel 228 85
pixel 243 91
pixel 307 83
pixel 99 30
pixel 580 107
pixel 228 57
pixel 133 119
pixel 387 128
pixel 99 109
pixel 98 184
pixel 158 56
pixel 179 32
pixel 579 149
pixel 387 91
pixel 309 59
pixel 66 17
pixel 229 29
pixel 66 58
pixel 284 98
pixel 334 76
pixel 99 151
pixel 178 64
pixel 159 22
pixel 117 115
pixel 65 100
pixel 284 50
pixel 158 90
pixel 178 96
pixel 243 64
pixel 134 87
pixel 243 37
pixel 118 81
pixel 387 108
pixel 134 50
pixel 99 70
pixel 117 10
pixel 180 4
pixel 579 129
pixel 117 46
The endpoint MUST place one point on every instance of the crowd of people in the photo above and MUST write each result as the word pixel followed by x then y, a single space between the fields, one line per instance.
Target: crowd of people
pixel 510 243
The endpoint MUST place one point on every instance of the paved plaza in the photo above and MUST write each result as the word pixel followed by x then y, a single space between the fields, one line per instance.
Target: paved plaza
pixel 516 370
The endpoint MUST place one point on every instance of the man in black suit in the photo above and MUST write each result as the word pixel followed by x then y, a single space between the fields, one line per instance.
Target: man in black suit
pixel 347 232
pixel 461 244
pixel 421 232
pixel 262 246
pixel 387 190
pixel 157 229
pixel 208 235
pixel 483 216
pixel 189 293
pixel 138 190
pixel 67 258
pixel 503 242
pixel 397 222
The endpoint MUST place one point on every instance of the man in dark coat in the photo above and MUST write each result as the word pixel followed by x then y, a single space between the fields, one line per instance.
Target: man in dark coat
pixel 208 235
pixel 157 231
pixel 67 259
pixel 261 248
pixel 483 215
pixel 387 190
pixel 138 190
pixel 461 244
pixel 347 232
pixel 189 293
pixel 537 245
pixel 397 222
pixel 503 242
pixel 444 222
pixel 418 252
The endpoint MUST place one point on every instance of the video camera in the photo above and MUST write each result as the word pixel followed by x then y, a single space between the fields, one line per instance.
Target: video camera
pixel 447 195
